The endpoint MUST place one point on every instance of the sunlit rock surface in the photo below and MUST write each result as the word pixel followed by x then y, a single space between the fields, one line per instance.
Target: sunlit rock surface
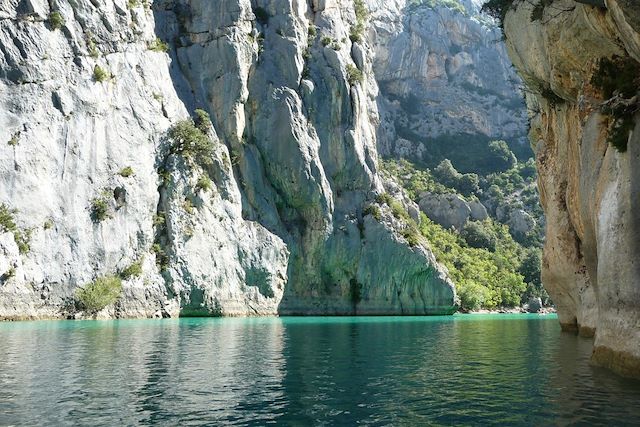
pixel 283 228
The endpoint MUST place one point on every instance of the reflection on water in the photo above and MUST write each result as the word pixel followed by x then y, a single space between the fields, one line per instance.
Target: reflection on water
pixel 306 371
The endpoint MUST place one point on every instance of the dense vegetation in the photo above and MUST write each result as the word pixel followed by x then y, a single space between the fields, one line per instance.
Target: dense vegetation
pixel 491 265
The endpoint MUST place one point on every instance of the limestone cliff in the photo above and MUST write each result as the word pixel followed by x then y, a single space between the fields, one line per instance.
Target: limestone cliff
pixel 584 133
pixel 273 219
pixel 444 74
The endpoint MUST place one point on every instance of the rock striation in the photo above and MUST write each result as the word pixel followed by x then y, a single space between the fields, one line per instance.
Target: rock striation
pixel 274 220
pixel 589 187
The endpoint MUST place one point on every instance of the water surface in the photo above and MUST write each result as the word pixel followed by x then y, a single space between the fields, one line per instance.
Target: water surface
pixel 462 370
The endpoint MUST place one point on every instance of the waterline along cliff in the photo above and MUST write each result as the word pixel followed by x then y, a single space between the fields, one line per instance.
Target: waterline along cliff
pixel 581 63
pixel 198 157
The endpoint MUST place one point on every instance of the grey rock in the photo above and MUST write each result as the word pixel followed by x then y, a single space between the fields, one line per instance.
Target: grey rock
pixel 534 305
pixel 441 72
pixel 521 222
pixel 448 210
pixel 294 165
pixel 478 211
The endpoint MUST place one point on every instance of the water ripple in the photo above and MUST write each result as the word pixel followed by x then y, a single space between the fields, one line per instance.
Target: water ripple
pixel 515 370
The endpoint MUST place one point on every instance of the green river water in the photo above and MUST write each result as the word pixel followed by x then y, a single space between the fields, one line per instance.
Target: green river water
pixel 455 370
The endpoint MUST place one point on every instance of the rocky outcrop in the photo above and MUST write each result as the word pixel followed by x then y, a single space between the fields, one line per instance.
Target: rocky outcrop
pixel 444 74
pixel 589 188
pixel 451 210
pixel 272 222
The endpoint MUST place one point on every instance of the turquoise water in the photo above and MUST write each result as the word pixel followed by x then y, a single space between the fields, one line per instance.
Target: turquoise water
pixel 462 370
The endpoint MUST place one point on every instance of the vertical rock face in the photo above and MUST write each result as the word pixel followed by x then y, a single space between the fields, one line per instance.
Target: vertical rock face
pixel 443 73
pixel 91 187
pixel 589 189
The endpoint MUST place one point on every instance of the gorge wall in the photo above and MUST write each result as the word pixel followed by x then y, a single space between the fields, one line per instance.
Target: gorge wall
pixel 584 130
pixel 444 77
pixel 275 218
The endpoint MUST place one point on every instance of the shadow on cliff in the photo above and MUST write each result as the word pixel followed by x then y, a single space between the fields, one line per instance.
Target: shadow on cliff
pixel 168 18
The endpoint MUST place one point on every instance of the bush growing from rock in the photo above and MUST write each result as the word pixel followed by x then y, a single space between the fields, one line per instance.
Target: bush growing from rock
pixel 99 208
pixel 8 224
pixel 100 74
pixel 133 270
pixel 56 20
pixel 126 172
pixel 189 141
pixel 100 293
pixel 354 75
pixel 158 45
pixel 204 183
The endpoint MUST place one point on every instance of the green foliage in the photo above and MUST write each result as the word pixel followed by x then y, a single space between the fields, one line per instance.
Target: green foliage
pixel 484 279
pixel 483 259
pixel 500 157
pixel 480 234
pixel 162 259
pixel 56 20
pixel 498 9
pixel 126 172
pixel 530 266
pixel 617 75
pixel 158 45
pixel 447 174
pixel 202 120
pixel 100 74
pixel 191 142
pixel 374 211
pixel 262 16
pixel 94 52
pixel 454 5
pixel 204 183
pixel 22 237
pixel 414 181
pixel 100 293
pixel 356 33
pixel 48 224
pixel 159 219
pixel 354 75
pixel 15 139
pixel 326 41
pixel 131 271
pixel 132 4
pixel 99 209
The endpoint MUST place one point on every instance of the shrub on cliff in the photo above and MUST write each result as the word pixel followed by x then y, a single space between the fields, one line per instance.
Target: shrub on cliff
pixel 100 74
pixel 8 224
pixel 100 293
pixel 191 142
pixel 56 20
pixel 498 9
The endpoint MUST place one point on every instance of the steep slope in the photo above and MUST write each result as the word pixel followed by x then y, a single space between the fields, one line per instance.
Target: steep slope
pixel 263 210
pixel 581 63
pixel 446 82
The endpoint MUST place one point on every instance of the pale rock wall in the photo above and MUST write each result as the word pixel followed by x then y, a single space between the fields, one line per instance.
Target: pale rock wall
pixel 441 72
pixel 590 192
pixel 282 231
